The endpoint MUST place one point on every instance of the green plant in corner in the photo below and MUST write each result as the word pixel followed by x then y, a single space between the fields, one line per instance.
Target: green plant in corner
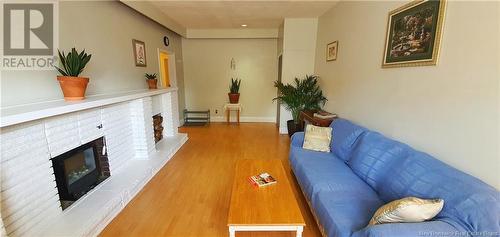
pixel 150 76
pixel 73 63
pixel 304 95
pixel 235 86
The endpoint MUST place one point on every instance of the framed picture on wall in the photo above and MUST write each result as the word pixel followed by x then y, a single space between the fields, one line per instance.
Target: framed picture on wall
pixel 331 51
pixel 139 53
pixel 414 34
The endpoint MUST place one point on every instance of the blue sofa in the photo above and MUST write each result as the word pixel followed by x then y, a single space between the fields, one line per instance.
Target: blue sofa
pixel 365 170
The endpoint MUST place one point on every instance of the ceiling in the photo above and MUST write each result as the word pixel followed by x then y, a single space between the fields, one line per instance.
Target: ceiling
pixel 232 14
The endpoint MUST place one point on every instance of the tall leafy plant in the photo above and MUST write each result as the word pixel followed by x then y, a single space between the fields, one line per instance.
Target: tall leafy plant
pixel 235 86
pixel 73 63
pixel 304 94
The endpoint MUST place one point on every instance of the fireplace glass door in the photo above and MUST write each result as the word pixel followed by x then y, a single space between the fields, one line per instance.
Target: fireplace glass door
pixel 79 170
pixel 79 165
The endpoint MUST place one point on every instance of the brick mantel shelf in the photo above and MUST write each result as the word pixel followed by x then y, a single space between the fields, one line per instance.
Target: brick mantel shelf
pixel 29 112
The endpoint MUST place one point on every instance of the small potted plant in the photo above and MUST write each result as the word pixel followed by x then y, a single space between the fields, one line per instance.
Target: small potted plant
pixel 304 95
pixel 71 65
pixel 234 89
pixel 152 81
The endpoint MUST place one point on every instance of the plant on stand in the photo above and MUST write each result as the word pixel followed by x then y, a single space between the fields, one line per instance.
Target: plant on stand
pixel 151 80
pixel 305 94
pixel 234 91
pixel 71 65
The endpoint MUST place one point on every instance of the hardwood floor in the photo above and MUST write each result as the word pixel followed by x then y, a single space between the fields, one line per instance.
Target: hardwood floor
pixel 190 196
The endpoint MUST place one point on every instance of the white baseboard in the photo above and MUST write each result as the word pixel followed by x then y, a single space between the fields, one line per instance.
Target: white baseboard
pixel 283 130
pixel 245 119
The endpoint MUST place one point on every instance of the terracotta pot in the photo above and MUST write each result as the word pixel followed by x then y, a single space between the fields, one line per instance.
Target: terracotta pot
pixel 234 98
pixel 73 88
pixel 152 83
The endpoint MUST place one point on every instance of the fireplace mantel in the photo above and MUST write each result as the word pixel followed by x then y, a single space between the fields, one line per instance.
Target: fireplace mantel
pixel 29 112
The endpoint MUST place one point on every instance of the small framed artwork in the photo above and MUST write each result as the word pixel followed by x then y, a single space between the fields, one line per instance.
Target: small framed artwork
pixel 331 51
pixel 139 53
pixel 414 34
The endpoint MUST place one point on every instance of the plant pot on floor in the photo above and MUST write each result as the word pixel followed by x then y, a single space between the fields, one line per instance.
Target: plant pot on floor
pixel 152 83
pixel 73 88
pixel 234 98
pixel 293 127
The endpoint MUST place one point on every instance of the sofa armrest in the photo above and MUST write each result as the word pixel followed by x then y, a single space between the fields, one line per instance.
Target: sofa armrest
pixel 297 139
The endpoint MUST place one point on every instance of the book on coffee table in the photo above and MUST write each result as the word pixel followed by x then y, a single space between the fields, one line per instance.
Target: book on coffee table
pixel 262 180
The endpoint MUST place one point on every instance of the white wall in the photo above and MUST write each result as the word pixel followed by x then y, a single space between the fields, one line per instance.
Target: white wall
pixel 450 110
pixel 299 45
pixel 105 29
pixel 208 75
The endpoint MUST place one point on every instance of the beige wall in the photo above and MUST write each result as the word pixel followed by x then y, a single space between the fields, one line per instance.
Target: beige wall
pixel 106 30
pixel 208 75
pixel 299 45
pixel 450 111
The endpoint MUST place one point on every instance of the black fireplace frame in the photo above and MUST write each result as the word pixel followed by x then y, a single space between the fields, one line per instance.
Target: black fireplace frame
pixel 81 186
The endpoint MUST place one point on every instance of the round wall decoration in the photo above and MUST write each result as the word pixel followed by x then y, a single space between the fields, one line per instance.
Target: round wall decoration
pixel 166 41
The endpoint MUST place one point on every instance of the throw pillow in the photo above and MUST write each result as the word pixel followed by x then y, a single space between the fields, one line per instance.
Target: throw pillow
pixel 317 138
pixel 409 209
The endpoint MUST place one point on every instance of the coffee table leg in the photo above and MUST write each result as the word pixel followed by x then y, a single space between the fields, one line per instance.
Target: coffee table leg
pixel 232 231
pixel 299 231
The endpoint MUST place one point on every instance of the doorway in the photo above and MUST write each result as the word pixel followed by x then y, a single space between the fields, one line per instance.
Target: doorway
pixel 280 62
pixel 164 74
pixel 166 62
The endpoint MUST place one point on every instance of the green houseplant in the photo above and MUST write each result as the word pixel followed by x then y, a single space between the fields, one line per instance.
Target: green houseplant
pixel 234 91
pixel 304 94
pixel 71 66
pixel 151 80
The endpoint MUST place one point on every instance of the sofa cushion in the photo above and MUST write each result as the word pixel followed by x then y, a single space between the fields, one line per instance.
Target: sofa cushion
pixel 429 228
pixel 469 203
pixel 319 171
pixel 317 138
pixel 344 136
pixel 407 210
pixel 342 213
pixel 374 156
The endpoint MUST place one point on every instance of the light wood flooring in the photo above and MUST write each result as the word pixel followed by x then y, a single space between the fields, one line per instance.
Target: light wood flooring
pixel 190 196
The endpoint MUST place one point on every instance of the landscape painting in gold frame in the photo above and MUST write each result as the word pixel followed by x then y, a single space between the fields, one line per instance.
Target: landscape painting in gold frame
pixel 414 34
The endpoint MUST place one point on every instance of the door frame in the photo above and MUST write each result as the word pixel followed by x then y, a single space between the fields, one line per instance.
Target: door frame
pixel 280 71
pixel 171 66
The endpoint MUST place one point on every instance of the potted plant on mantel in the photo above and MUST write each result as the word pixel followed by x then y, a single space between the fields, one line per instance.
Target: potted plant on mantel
pixel 73 86
pixel 304 95
pixel 234 89
pixel 152 81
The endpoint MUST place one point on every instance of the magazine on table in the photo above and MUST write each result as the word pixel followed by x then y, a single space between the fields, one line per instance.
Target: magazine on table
pixel 262 180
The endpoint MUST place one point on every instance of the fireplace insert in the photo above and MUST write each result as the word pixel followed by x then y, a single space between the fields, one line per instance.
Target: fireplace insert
pixel 79 170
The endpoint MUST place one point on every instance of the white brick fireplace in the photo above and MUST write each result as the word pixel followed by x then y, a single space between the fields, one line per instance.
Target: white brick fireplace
pixel 33 134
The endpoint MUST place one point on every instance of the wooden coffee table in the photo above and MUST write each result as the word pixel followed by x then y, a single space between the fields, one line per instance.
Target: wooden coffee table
pixel 269 208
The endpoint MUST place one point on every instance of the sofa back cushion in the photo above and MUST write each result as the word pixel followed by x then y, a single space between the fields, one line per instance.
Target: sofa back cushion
pixel 344 136
pixel 374 156
pixel 468 202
